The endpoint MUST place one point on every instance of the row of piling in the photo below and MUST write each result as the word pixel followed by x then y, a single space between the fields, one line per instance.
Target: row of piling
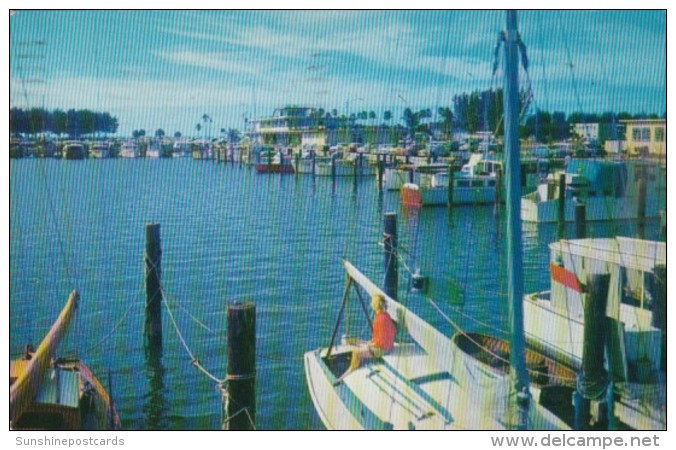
pixel 239 385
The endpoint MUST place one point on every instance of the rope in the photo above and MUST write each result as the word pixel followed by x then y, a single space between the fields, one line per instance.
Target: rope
pixel 112 331
pixel 478 345
pixel 193 360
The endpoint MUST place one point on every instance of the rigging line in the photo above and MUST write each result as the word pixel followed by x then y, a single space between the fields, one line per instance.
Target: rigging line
pixel 193 360
pixel 484 348
pixel 115 327
pixel 73 279
pixel 545 83
pixel 570 62
pixel 178 303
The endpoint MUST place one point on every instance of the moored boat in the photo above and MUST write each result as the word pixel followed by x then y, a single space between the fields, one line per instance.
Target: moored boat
pixel 57 393
pixel 554 320
pixel 100 150
pixel 129 149
pixel 74 150
pixel 609 189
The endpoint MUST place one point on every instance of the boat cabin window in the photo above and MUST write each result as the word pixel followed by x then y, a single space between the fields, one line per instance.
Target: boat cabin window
pixel 462 183
pixel 477 183
pixel 491 182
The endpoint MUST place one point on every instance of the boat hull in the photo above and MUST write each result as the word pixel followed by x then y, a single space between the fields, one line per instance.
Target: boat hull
pixel 273 168
pixel 597 208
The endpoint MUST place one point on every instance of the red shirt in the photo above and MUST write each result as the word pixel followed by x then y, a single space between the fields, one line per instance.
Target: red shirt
pixel 383 331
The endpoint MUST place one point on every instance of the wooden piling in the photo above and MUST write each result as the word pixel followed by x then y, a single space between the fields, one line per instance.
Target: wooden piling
pixel 663 225
pixel 381 169
pixel 240 398
pixel 391 263
pixel 580 220
pixel 659 318
pixel 561 216
pixel 297 160
pixel 153 275
pixel 450 185
pixel 498 186
pixel 313 163
pixel 593 380
pixel 642 189
pixel 333 166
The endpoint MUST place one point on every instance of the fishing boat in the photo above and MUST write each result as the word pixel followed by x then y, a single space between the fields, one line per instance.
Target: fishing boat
pixel 476 183
pixel 429 381
pixel 51 393
pixel 129 149
pixel 74 150
pixel 554 319
pixel 610 190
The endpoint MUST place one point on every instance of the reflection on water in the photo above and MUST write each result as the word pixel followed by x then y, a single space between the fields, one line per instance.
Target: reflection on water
pixel 230 234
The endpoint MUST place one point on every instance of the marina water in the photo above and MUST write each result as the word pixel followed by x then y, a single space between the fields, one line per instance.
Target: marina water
pixel 229 234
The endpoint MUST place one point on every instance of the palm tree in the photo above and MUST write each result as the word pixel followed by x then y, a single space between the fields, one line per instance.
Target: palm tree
pixel 198 127
pixel 207 120
pixel 387 115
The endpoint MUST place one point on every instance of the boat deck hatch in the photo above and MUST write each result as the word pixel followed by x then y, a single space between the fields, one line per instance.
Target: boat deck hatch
pixel 338 363
pixel 60 387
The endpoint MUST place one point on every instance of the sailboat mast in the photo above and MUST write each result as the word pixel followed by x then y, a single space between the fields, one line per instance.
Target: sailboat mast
pixel 513 199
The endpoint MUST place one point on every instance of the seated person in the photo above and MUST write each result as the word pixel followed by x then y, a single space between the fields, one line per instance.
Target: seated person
pixel 382 340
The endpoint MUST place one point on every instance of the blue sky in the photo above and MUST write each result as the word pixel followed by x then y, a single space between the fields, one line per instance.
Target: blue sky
pixel 164 69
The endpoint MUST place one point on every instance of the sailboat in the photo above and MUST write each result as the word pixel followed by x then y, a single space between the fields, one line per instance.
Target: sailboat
pixel 58 394
pixel 430 381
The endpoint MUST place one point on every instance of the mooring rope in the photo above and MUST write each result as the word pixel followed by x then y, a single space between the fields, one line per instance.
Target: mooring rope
pixel 193 360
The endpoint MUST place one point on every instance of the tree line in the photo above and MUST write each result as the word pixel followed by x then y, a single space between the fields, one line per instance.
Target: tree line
pixel 74 122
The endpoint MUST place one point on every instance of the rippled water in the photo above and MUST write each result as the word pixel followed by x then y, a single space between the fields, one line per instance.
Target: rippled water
pixel 229 234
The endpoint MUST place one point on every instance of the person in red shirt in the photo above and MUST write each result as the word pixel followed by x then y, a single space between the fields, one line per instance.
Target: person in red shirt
pixel 381 342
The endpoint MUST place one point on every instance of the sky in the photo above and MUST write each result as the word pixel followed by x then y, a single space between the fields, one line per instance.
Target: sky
pixel 165 69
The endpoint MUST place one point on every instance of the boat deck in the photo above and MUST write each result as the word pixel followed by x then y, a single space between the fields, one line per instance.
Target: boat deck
pixel 404 390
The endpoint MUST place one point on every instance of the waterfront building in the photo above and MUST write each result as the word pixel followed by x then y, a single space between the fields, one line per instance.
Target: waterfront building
pixel 291 126
pixel 646 137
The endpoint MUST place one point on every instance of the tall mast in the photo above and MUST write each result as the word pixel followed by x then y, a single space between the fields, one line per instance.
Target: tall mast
pixel 513 198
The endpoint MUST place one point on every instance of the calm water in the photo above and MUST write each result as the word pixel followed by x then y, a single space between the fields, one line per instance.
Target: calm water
pixel 229 234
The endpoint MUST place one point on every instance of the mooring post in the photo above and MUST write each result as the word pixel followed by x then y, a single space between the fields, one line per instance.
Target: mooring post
pixel 333 166
pixel 498 186
pixel 663 225
pixel 381 169
pixel 580 220
pixel 642 189
pixel 240 397
pixel 593 379
pixel 297 159
pixel 659 319
pixel 153 272
pixel 450 185
pixel 391 263
pixel 561 218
